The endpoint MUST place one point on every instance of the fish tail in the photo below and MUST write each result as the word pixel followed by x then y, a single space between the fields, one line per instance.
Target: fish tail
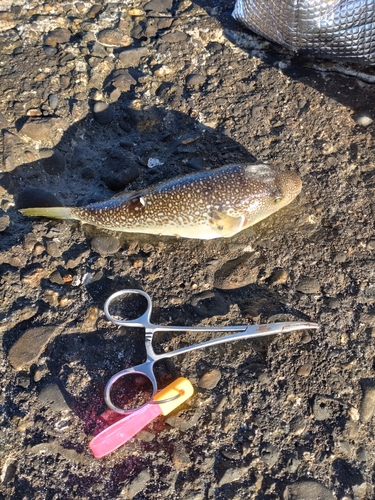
pixel 50 212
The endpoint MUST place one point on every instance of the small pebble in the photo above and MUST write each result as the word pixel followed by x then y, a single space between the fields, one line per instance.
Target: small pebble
pixel 323 408
pixel 333 303
pixel 137 485
pixel 29 242
pixel 362 454
pixel 282 65
pixel 94 11
pixel 308 285
pixel 161 23
pixel 40 129
pixel 114 95
pixel 210 304
pixel 56 277
pixel 90 319
pixel 364 119
pixel 293 464
pixel 34 112
pixel 297 425
pixel 4 222
pixel 307 490
pixel 269 454
pixel 64 81
pixel 154 162
pixel 340 257
pixel 185 420
pixel 367 408
pixel 51 298
pixel 130 58
pixel 136 12
pixel 45 153
pixel 97 50
pixel 353 414
pixel 38 249
pixel 195 80
pixel 49 51
pixel 159 5
pixel 123 80
pixel 255 309
pixel 231 475
pixel 236 273
pixel 114 38
pixel 57 36
pixel 304 370
pixel 30 346
pixel 175 37
pixel 103 113
pixel 363 491
pixel 105 245
pixel 210 379
pixel 53 249
pixel 8 470
pixel 52 397
pixel 76 281
pixel 231 453
pixel 53 101
pixel 181 459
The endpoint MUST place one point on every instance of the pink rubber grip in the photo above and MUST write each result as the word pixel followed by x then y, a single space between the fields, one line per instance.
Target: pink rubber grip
pixel 117 434
pixel 120 432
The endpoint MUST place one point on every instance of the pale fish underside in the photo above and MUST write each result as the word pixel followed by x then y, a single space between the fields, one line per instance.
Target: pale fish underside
pixel 205 205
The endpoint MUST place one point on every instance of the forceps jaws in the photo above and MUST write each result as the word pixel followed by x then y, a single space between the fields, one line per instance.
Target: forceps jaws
pixel 252 331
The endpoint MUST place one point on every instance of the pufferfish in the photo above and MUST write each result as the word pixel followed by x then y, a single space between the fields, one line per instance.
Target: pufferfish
pixel 205 205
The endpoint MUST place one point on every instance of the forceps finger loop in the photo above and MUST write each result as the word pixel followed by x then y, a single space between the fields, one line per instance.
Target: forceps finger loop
pixel 142 321
pixel 145 369
pixel 152 401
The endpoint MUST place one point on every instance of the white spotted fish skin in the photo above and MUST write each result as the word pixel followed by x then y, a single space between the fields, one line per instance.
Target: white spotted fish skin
pixel 205 205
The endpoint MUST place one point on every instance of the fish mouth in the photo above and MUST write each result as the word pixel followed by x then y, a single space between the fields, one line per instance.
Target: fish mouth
pixel 290 184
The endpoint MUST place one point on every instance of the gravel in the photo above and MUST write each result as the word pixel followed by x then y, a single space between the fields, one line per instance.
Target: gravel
pixel 92 94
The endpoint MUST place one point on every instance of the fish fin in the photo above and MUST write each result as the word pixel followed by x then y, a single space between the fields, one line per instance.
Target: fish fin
pixel 133 198
pixel 125 196
pixel 225 225
pixel 50 212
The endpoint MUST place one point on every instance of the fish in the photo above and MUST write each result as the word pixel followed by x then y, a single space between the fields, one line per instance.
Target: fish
pixel 205 205
pixel 342 30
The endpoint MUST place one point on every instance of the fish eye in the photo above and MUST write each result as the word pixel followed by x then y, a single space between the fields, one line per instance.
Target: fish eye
pixel 277 199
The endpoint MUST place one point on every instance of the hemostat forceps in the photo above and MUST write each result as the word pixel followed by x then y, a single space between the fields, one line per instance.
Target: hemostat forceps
pixel 143 321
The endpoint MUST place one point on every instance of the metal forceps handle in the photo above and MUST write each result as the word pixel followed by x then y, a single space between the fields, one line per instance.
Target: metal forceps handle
pixel 144 321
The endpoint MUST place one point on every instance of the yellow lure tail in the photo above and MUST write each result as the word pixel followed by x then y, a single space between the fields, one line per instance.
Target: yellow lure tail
pixel 50 212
